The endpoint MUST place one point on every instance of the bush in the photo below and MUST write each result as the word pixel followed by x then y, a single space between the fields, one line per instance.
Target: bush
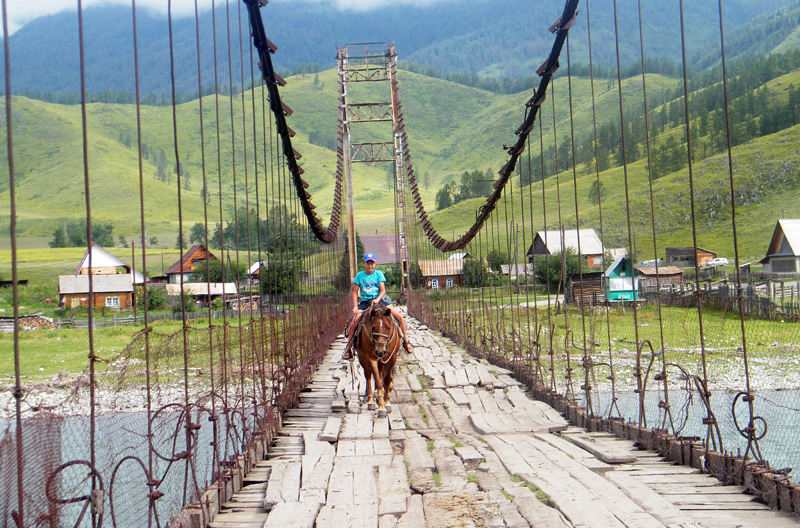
pixel 495 258
pixel 393 275
pixel 553 265
pixel 156 298
pixel 475 273
pixel 415 275
pixel 214 269
pixel 280 277
pixel 190 304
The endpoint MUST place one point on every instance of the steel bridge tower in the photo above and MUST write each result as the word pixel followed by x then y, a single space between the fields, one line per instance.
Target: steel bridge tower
pixel 372 62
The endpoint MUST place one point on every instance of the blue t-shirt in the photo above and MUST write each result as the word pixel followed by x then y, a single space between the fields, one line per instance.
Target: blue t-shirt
pixel 370 285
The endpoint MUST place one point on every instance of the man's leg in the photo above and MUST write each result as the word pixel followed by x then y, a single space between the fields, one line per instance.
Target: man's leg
pixel 399 317
pixel 351 331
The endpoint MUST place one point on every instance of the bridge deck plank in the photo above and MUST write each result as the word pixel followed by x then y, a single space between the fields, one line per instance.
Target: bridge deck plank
pixel 455 454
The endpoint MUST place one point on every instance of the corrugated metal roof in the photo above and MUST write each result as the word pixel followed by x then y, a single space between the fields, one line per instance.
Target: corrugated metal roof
pixel 590 242
pixel 662 270
pixel 100 259
pixel 201 288
pixel 255 267
pixel 384 247
pixel 432 268
pixel 120 283
pixel 517 269
pixel 791 230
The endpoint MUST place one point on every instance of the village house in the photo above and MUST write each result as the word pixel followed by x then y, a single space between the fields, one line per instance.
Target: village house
pixel 649 281
pixel 442 273
pixel 255 270
pixel 203 292
pixel 621 281
pixel 783 252
pixel 113 281
pixel 110 291
pixel 515 270
pixel 187 264
pixel 550 242
pixel 684 257
pixel 585 289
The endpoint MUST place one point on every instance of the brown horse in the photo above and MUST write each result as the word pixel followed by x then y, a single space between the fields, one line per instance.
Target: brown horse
pixel 377 345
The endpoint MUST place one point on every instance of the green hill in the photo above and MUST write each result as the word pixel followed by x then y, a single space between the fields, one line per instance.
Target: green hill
pixel 452 128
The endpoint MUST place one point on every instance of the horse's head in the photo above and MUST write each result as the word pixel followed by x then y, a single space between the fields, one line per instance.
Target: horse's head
pixel 379 328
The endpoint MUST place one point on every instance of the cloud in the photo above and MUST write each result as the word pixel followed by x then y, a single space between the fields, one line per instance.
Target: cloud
pixel 368 5
pixel 21 12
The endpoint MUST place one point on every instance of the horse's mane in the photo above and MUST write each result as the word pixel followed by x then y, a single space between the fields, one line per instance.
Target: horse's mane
pixel 378 310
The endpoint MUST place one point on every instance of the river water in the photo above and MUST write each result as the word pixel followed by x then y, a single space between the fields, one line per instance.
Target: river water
pixel 780 409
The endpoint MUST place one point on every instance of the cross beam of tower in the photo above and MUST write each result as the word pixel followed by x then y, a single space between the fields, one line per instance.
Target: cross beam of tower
pixel 372 62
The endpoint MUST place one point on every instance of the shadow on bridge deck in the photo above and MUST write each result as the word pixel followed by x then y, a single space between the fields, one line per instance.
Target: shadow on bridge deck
pixel 465 446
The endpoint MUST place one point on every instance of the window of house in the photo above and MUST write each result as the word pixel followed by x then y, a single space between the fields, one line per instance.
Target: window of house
pixel 620 283
pixel 434 284
pixel 449 282
pixel 112 302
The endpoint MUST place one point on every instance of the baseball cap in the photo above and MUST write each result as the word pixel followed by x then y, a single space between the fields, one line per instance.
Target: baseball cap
pixel 368 257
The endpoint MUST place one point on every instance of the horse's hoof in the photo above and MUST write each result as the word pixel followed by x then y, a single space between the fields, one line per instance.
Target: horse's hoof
pixel 371 406
pixel 388 408
pixel 382 413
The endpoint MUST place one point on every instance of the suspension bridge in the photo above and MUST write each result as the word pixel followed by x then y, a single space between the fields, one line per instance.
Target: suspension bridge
pixel 522 405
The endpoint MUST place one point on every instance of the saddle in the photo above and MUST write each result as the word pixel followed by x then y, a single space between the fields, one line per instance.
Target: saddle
pixel 349 347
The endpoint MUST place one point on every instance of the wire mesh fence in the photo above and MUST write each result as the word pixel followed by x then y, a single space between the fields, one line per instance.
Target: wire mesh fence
pixel 170 418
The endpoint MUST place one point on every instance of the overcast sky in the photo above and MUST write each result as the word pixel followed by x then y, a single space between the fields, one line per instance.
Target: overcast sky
pixel 22 11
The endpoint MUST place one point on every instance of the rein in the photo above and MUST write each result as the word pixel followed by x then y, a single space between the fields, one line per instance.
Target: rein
pixel 393 330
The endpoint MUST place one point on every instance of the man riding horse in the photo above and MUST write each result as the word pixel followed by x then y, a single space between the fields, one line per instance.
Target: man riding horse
pixel 371 285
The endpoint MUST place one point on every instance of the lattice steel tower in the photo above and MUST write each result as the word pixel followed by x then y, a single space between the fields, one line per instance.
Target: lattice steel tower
pixel 373 62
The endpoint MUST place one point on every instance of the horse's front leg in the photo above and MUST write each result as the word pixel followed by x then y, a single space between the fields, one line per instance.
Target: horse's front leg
pixel 388 386
pixel 368 396
pixel 379 392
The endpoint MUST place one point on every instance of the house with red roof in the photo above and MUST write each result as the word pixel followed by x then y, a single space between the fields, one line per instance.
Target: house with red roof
pixel 384 247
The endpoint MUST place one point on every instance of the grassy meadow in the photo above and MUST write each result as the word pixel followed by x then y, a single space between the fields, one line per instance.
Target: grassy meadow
pixel 452 128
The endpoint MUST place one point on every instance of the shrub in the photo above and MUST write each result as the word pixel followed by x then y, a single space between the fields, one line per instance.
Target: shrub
pixel 156 298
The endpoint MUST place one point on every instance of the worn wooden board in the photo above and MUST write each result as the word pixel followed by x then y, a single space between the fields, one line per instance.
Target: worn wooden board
pixel 415 451
pixel 458 395
pixel 414 516
pixel 284 483
pixel 330 433
pixel 653 503
pixel 413 383
pixel 293 515
pixel 472 375
pixel 579 505
pixel 450 378
pixel 605 451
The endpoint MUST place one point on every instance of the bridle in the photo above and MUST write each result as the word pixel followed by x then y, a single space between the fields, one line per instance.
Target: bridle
pixel 392 331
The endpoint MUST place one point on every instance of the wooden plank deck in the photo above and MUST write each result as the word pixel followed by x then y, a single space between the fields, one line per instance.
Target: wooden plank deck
pixel 465 446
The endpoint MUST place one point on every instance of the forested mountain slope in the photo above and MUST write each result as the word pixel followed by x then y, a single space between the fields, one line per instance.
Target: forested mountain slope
pixel 503 38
